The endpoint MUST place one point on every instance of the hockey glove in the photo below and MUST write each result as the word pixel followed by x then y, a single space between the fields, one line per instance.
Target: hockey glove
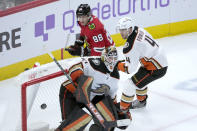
pixel 82 93
pixel 123 114
pixel 75 50
pixel 87 51
pixel 79 43
pixel 103 89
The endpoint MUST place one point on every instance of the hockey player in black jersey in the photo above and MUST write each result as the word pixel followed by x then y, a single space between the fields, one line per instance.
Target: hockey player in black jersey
pixel 98 79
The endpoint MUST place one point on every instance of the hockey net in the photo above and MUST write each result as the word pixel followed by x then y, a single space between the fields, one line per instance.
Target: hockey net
pixel 40 95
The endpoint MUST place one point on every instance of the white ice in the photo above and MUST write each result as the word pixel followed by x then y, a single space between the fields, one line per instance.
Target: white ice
pixel 172 101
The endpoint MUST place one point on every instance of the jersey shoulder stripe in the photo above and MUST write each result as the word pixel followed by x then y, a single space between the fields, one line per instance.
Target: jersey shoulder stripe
pixel 130 41
pixel 75 71
pixel 98 65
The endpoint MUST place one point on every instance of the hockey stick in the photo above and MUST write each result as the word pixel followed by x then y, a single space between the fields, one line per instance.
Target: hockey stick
pixel 67 39
pixel 61 68
pixel 62 49
pixel 66 49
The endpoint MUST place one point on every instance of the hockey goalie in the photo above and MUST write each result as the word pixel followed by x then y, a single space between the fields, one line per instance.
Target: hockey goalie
pixel 94 85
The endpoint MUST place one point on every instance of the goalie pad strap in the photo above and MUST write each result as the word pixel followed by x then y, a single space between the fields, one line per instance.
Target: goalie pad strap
pixel 83 90
pixel 77 120
pixel 79 123
pixel 105 111
pixel 69 86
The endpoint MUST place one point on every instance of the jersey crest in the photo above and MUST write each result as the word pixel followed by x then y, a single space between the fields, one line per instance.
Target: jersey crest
pixel 91 26
pixel 96 62
pixel 126 45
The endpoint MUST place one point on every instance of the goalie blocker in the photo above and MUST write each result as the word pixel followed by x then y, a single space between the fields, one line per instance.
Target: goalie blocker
pixel 96 81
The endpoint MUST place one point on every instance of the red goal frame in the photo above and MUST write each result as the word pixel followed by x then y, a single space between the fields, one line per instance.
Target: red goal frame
pixel 24 95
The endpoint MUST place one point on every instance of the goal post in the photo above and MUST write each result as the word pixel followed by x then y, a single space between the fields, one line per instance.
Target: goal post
pixel 39 85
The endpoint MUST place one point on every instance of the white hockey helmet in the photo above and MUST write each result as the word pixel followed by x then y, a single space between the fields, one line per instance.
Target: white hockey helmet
pixel 124 23
pixel 110 57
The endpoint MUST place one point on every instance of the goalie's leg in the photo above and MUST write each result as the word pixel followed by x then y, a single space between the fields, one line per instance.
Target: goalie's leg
pixel 66 98
pixel 104 105
pixel 110 112
pixel 73 116
pixel 77 120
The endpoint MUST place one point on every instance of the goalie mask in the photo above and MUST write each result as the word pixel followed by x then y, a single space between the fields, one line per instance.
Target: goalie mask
pixel 110 57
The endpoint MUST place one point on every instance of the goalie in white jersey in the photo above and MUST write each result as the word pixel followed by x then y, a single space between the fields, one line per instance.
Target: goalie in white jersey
pixel 140 47
pixel 96 77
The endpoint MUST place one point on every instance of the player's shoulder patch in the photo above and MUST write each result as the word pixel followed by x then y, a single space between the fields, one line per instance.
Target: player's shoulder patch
pixel 95 61
pixel 97 64
pixel 130 41
pixel 91 26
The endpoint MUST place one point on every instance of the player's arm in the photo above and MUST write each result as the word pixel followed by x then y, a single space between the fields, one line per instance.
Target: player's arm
pixel 74 72
pixel 132 61
pixel 122 66
pixel 133 50
pixel 80 38
pixel 77 48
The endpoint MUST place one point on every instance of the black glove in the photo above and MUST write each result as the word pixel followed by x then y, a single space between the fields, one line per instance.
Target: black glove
pixel 75 50
pixel 123 115
pixel 87 51
pixel 79 43
pixel 102 89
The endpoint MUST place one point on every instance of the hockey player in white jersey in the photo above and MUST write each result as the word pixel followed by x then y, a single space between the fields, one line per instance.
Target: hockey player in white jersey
pixel 96 77
pixel 140 47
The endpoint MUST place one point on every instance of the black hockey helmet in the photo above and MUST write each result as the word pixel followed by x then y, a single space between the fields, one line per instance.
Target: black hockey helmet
pixel 83 9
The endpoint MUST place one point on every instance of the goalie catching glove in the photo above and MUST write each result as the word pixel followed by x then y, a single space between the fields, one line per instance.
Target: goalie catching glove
pixel 123 114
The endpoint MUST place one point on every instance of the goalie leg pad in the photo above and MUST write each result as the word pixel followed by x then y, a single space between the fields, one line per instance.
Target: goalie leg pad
pixel 82 93
pixel 95 127
pixel 105 109
pixel 77 120
pixel 108 110
pixel 67 98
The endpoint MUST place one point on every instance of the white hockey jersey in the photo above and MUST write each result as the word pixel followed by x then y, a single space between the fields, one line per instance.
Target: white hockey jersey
pixel 141 48
pixel 95 68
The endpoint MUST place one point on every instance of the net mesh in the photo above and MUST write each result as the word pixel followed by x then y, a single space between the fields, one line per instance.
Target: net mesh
pixel 40 95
